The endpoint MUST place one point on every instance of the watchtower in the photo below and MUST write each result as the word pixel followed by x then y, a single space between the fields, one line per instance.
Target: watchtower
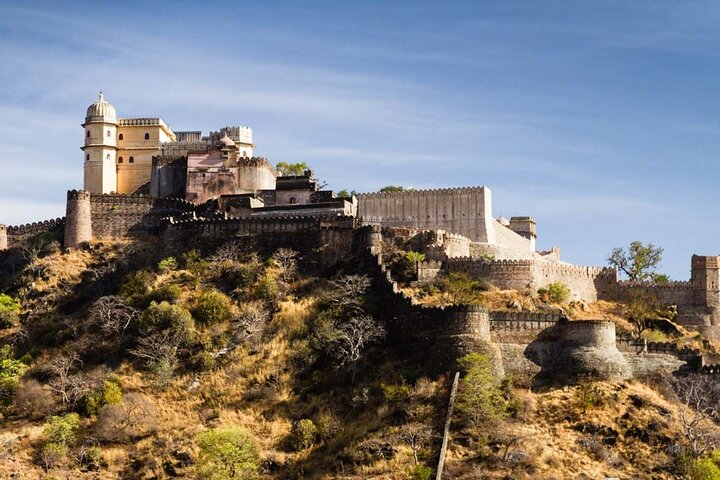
pixel 100 147
pixel 705 280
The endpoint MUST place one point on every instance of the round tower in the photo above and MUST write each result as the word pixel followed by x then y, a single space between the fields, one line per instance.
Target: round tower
pixel 100 147
pixel 3 238
pixel 78 219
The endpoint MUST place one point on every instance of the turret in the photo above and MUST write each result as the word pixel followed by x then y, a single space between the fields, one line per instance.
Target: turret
pixel 525 227
pixel 78 218
pixel 100 147
pixel 705 279
pixel 3 238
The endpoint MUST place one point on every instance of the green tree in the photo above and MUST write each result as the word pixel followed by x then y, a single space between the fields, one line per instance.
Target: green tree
pixel 345 194
pixel 480 396
pixel 226 453
pixel 638 261
pixel 556 292
pixel 462 289
pixel 392 188
pixel 9 311
pixel 285 169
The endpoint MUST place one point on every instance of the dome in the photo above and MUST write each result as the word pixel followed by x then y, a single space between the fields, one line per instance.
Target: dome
pixel 101 111
pixel 225 142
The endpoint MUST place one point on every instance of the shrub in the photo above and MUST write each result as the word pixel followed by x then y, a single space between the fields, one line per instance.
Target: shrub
pixel 421 472
pixel 170 293
pixel 462 289
pixel 92 458
pixel 196 265
pixel 396 396
pixel 212 307
pixel 164 316
pixel 63 430
pixel 109 393
pixel 303 434
pixel 267 289
pixel 11 371
pixel 328 425
pixel 167 265
pixel 136 285
pixel 34 400
pixel 480 397
pixel 9 311
pixel 704 469
pixel 226 453
pixel 134 417
pixel 51 454
pixel 556 292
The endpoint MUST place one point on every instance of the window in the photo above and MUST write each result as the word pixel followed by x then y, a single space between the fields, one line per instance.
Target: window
pixel 120 137
pixel 119 159
pixel 147 136
pixel 108 133
pixel 87 157
pixel 131 160
pixel 88 134
pixel 107 156
pixel 293 200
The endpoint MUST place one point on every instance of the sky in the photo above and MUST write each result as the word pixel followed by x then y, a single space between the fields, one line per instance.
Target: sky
pixel 598 118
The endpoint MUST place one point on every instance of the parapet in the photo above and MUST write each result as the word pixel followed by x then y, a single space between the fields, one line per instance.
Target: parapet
pixel 524 226
pixel 78 195
pixel 703 262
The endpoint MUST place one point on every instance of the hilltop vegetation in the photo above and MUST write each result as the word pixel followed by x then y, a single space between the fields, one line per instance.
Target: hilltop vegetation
pixel 125 360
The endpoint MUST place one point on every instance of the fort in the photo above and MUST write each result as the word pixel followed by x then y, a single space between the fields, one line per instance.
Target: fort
pixel 144 179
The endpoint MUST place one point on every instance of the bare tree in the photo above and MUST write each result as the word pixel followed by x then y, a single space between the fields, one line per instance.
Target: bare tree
pixel 251 322
pixel 699 396
pixel 285 259
pixel 352 337
pixel 229 251
pixel 415 436
pixel 347 293
pixel 158 347
pixel 134 417
pixel 113 314
pixel 71 386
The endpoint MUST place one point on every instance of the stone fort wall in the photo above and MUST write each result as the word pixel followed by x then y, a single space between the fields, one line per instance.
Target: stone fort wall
pixel 13 235
pixel 463 211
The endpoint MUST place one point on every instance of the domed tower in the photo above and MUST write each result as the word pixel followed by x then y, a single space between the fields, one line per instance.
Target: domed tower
pixel 100 148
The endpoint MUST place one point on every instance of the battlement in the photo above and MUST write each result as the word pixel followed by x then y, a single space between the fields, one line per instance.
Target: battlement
pixel 29 229
pixel 141 122
pixel 597 333
pixel 78 195
pixel 439 191
pixel 674 284
pixel 254 162
pixel 703 262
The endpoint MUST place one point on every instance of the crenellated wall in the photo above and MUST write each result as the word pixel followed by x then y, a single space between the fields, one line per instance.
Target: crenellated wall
pixel 13 235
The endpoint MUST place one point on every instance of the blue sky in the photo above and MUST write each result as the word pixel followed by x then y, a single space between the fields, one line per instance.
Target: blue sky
pixel 598 118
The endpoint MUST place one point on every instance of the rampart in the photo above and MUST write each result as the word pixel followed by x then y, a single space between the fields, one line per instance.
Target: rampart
pixel 11 236
pixel 117 215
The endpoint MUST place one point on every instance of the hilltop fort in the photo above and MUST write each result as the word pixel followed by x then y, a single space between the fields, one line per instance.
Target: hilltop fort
pixel 143 178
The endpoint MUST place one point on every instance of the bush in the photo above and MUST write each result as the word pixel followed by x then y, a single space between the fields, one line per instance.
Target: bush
pixel 196 265
pixel 226 453
pixel 11 371
pixel 109 393
pixel 328 425
pixel 556 292
pixel 92 458
pixel 9 311
pixel 705 469
pixel 63 430
pixel 134 417
pixel 164 316
pixel 167 265
pixel 170 293
pixel 51 454
pixel 136 285
pixel 212 307
pixel 421 472
pixel 267 289
pixel 462 289
pixel 480 396
pixel 397 396
pixel 303 434
pixel 33 400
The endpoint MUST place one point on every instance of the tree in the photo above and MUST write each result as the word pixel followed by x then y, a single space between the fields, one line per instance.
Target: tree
pixel 347 293
pixel 352 337
pixel 285 260
pixel 134 416
pixel 345 194
pixel 480 396
pixel 415 436
pixel 462 289
pixel 9 311
pixel 113 314
pixel 392 188
pixel 226 453
pixel 699 397
pixel 212 307
pixel 638 262
pixel 285 169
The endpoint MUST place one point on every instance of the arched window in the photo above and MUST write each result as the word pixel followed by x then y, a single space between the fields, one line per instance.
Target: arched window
pixel 131 160
pixel 107 156
pixel 88 134
pixel 108 133
pixel 293 200
pixel 120 137
pixel 119 159
pixel 147 136
pixel 87 157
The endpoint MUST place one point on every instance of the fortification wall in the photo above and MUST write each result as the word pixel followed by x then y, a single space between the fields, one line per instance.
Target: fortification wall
pixel 464 211
pixel 520 327
pixel 126 215
pixel 504 274
pixel 168 177
pixel 254 174
pixel 12 235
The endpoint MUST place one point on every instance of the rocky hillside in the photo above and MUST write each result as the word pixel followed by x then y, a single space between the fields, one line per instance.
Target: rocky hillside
pixel 127 360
